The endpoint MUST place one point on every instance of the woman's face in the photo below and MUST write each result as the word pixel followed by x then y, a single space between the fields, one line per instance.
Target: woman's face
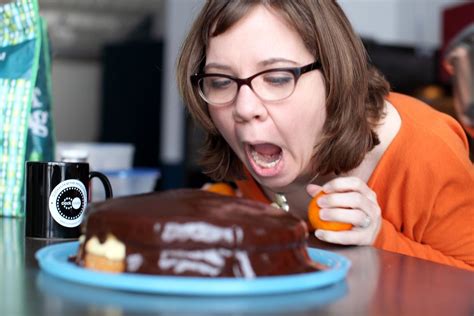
pixel 274 140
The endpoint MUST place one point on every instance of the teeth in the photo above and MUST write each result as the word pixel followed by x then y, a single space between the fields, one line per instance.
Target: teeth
pixel 262 163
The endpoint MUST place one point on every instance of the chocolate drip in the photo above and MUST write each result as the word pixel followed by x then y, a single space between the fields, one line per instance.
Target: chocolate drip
pixel 193 232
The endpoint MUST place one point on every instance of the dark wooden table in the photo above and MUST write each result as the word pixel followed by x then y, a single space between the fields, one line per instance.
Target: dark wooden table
pixel 379 283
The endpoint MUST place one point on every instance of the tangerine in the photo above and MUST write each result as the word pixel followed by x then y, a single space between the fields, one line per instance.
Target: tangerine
pixel 317 222
pixel 221 188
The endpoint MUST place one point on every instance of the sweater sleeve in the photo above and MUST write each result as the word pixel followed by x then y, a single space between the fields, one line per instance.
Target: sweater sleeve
pixel 428 211
pixel 392 240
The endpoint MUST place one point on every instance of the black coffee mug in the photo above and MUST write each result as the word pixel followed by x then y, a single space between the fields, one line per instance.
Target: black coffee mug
pixel 57 194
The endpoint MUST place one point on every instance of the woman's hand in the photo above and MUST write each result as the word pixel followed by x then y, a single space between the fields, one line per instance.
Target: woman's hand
pixel 348 200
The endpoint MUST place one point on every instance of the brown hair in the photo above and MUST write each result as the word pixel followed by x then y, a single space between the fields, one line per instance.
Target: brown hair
pixel 355 90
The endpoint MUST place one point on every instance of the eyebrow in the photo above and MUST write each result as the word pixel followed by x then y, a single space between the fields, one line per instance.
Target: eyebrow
pixel 263 63
pixel 272 61
pixel 216 66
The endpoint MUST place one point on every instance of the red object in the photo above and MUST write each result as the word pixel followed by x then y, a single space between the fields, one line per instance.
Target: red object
pixel 455 19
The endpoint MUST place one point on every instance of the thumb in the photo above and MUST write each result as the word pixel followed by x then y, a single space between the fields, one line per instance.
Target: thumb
pixel 313 189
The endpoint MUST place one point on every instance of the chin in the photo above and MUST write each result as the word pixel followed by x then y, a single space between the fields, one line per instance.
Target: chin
pixel 276 184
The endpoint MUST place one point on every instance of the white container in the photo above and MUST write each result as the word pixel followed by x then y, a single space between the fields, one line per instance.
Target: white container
pixel 101 156
pixel 126 182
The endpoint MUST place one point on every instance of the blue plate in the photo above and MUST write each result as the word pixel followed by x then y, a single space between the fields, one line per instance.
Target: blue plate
pixel 53 259
pixel 74 294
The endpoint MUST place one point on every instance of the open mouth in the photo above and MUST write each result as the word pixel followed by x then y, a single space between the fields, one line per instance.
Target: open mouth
pixel 265 158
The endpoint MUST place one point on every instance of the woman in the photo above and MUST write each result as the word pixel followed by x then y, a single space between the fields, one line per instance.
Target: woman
pixel 291 107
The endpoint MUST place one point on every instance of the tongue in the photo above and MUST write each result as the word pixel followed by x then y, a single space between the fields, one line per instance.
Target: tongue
pixel 265 154
pixel 267 149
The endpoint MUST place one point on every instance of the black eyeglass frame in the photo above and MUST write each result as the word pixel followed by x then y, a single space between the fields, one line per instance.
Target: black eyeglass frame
pixel 295 71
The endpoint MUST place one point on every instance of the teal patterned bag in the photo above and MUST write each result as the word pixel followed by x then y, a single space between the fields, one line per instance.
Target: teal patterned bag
pixel 41 140
pixel 20 46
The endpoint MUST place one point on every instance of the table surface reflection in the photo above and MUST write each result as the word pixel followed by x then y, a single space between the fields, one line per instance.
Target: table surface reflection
pixel 379 283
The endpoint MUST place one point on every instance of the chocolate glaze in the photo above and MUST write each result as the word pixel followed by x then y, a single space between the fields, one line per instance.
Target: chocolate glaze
pixel 198 233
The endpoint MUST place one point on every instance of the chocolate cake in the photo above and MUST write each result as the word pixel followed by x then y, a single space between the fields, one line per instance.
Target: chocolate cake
pixel 193 233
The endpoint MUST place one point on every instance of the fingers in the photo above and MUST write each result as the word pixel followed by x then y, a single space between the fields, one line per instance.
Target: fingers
pixel 350 237
pixel 363 233
pixel 349 200
pixel 355 217
pixel 351 193
pixel 313 189
pixel 345 184
pixel 349 207
pixel 353 200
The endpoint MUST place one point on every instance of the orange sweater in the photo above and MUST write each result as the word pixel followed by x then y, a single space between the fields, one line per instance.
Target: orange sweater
pixel 425 188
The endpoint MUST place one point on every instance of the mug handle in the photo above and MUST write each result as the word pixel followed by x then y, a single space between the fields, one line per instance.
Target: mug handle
pixel 105 182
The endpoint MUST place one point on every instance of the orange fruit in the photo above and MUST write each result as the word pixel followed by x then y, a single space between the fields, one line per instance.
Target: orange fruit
pixel 318 223
pixel 221 188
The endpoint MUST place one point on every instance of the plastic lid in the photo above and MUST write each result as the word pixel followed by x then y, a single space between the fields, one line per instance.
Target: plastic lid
pixel 74 155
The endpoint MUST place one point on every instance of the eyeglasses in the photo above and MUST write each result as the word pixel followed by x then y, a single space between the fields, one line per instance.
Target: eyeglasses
pixel 269 85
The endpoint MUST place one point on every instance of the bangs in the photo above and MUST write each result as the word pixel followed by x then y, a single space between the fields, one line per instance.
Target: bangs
pixel 230 14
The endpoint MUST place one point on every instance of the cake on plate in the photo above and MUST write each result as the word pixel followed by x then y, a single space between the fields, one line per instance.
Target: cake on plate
pixel 191 232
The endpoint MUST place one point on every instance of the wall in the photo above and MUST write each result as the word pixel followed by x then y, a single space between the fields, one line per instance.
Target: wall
pixel 76 99
pixel 401 22
pixel 178 16
pixel 177 21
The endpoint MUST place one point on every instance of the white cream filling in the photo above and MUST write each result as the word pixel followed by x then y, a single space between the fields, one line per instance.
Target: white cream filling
pixel 264 162
pixel 111 249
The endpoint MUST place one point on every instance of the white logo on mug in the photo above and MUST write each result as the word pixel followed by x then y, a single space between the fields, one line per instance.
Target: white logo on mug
pixel 67 203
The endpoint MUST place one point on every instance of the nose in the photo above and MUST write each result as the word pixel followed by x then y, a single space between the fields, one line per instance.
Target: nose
pixel 248 106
